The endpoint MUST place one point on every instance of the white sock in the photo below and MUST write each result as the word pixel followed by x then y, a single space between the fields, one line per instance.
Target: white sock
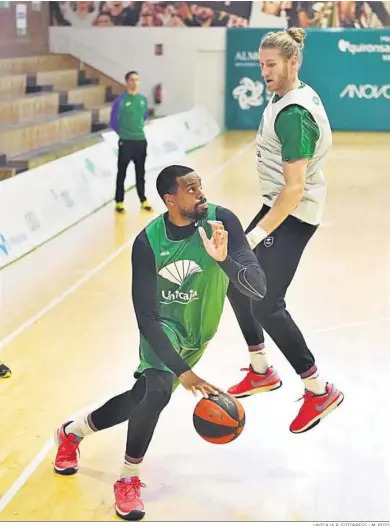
pixel 130 470
pixel 314 384
pixel 259 360
pixel 80 427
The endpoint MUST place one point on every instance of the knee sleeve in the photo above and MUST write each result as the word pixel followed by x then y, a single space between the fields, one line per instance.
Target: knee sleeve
pixel 158 388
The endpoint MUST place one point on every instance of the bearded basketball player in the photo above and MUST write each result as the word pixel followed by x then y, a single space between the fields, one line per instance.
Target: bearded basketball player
pixel 182 263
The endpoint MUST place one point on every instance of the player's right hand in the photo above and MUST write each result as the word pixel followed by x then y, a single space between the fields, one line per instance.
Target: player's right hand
pixel 217 245
pixel 190 381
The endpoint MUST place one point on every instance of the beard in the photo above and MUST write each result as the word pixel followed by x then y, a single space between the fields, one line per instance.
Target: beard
pixel 197 214
pixel 281 81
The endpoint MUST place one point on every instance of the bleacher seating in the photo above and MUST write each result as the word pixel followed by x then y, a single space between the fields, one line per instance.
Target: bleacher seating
pixel 49 107
pixel 60 79
pixel 101 114
pixel 33 65
pixel 15 84
pixel 89 96
pixel 22 108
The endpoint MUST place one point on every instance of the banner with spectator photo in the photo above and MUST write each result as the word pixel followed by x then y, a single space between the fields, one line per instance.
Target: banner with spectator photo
pixel 374 14
pixel 349 69
pixel 322 15
pixel 151 14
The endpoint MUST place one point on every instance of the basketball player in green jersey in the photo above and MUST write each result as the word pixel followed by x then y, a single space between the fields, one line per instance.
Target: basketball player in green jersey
pixel 182 263
pixel 293 141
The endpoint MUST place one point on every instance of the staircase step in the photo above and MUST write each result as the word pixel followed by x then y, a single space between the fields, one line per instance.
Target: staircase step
pixel 64 107
pixel 39 88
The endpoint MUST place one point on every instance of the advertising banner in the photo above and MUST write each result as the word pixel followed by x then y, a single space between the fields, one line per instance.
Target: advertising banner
pixel 350 70
pixel 40 203
pixel 246 94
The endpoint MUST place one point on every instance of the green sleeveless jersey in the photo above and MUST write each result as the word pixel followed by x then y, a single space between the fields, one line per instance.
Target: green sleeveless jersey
pixel 191 285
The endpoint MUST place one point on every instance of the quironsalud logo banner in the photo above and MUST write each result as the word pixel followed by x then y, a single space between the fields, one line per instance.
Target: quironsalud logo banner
pixel 246 93
pixel 349 68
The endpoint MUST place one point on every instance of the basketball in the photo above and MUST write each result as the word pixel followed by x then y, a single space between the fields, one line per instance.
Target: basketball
pixel 219 419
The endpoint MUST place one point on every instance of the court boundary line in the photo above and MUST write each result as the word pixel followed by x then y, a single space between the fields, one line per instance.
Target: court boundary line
pixel 30 469
pixel 106 261
pixel 34 464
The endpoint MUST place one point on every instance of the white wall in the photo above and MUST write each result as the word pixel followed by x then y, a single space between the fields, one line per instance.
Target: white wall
pixel 192 68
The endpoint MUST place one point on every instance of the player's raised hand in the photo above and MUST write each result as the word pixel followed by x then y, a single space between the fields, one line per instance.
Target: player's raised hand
pixel 217 245
pixel 190 381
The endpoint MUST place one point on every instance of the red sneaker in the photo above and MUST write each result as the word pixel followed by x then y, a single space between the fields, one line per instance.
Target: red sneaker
pixel 68 453
pixel 315 408
pixel 128 502
pixel 256 383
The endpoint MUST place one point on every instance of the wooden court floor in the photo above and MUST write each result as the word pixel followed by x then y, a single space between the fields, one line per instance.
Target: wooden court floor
pixel 70 337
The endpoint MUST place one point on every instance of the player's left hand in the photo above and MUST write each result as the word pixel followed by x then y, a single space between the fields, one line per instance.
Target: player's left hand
pixel 217 246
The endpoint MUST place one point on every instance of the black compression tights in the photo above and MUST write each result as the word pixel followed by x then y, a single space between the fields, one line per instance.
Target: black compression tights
pixel 141 406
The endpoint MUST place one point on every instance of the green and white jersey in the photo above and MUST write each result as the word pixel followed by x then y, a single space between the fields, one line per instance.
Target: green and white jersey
pixel 270 150
pixel 191 285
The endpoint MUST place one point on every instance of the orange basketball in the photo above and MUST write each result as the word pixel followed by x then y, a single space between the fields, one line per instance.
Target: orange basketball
pixel 219 419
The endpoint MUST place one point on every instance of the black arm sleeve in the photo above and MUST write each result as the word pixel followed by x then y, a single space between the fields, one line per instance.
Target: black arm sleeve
pixel 145 300
pixel 241 265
